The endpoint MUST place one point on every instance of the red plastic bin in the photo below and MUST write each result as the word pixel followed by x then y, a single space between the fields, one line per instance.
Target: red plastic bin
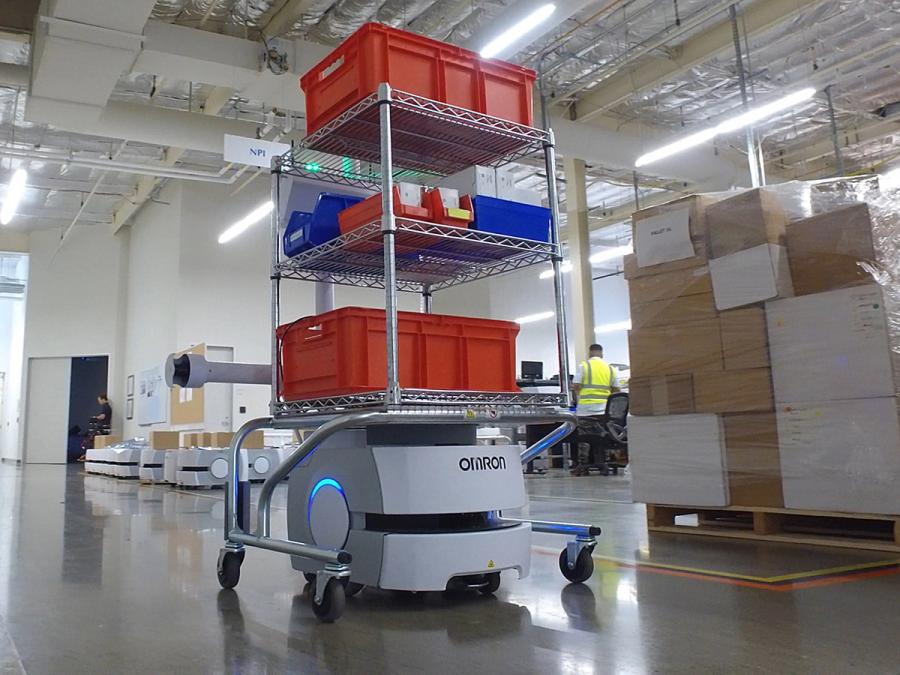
pixel 417 65
pixel 344 352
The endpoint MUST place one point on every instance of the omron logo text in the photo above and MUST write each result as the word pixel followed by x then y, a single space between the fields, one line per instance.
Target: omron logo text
pixel 482 463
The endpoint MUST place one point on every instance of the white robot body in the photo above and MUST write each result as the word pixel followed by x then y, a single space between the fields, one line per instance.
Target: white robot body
pixel 414 517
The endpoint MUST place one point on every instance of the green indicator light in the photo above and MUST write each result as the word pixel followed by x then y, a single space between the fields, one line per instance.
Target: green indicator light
pixel 312 167
pixel 347 167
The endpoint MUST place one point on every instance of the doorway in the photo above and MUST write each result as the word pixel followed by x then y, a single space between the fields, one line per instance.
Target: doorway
pixel 62 392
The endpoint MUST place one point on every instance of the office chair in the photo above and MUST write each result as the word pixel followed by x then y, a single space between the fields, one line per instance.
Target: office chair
pixel 607 436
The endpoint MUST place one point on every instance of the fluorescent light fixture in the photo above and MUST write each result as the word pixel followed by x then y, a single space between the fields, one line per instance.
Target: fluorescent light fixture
pixel 886 181
pixel 14 192
pixel 611 254
pixel 244 223
pixel 531 318
pixel 565 268
pixel 517 30
pixel 727 126
pixel 613 327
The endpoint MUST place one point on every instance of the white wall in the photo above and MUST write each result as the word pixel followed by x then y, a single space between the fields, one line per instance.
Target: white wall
pixel 74 301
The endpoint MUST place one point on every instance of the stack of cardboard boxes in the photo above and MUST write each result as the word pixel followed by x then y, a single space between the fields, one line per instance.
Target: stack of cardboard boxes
pixel 764 364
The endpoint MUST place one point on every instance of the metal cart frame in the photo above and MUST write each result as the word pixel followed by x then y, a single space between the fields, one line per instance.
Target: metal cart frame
pixel 358 148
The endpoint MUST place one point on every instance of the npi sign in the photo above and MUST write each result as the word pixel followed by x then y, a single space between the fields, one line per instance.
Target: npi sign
pixel 252 151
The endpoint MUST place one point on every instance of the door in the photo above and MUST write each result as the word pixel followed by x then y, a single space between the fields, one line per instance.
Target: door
pixel 88 381
pixel 47 410
pixel 217 401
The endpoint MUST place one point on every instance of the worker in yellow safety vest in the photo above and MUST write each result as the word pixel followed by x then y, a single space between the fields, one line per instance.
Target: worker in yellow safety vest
pixel 595 380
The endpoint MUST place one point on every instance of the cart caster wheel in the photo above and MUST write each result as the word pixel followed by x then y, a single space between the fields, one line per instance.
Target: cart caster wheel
pixel 333 601
pixel 229 568
pixel 584 566
pixel 310 577
pixel 492 583
pixel 351 588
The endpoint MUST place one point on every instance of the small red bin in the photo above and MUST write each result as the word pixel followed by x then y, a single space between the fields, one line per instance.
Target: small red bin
pixel 417 65
pixel 344 352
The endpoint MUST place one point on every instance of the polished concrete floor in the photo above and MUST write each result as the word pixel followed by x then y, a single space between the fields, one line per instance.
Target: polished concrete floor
pixel 106 576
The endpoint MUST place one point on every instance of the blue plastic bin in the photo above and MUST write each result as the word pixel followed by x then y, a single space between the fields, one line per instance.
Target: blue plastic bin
pixel 306 230
pixel 501 216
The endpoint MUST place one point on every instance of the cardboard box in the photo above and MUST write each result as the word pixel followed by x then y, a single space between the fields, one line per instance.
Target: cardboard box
pixel 678 459
pixel 676 310
pixel 745 341
pixel 825 250
pixel 751 276
pixel 164 440
pixel 734 391
pixel 664 395
pixel 752 459
pixel 749 219
pixel 835 345
pixel 670 285
pixel 255 439
pixel 672 350
pixel 106 441
pixel 219 439
pixel 841 455
pixel 632 271
pixel 672 232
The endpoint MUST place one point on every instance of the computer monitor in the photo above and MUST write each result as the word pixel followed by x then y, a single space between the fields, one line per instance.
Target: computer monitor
pixel 532 370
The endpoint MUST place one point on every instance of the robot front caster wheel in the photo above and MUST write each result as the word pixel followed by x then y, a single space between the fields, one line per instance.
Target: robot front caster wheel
pixel 228 569
pixel 583 568
pixel 350 588
pixel 332 603
pixel 491 583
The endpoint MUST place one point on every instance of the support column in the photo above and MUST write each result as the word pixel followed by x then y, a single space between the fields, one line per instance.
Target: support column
pixel 578 241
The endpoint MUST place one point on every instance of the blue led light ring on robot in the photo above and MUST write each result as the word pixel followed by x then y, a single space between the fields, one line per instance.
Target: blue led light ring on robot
pixel 324 482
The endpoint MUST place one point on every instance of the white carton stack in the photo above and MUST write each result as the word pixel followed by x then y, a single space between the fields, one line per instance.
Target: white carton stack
pixel 835 362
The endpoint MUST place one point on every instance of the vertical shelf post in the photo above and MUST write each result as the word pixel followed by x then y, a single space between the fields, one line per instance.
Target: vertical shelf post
pixel 561 337
pixel 388 231
pixel 275 277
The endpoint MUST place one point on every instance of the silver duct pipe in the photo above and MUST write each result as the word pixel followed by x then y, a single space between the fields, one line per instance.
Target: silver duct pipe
pixel 193 370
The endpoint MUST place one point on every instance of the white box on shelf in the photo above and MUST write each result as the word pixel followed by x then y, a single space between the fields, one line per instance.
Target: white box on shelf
pixel 841 455
pixel 678 459
pixel 834 345
pixel 410 194
pixel 476 180
pixel 751 276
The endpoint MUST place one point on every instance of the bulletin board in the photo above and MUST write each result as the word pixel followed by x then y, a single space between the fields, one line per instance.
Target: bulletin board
pixel 186 405
pixel 151 396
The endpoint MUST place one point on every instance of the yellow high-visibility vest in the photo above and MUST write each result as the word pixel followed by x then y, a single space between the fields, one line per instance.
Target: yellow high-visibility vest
pixel 595 386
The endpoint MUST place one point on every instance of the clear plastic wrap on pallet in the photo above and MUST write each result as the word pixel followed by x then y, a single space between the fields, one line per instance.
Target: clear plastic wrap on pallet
pixel 780 347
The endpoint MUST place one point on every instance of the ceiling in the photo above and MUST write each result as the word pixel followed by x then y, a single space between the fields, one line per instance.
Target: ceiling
pixel 624 74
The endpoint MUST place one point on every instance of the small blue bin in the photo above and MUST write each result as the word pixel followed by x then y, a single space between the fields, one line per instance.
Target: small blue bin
pixel 513 219
pixel 306 230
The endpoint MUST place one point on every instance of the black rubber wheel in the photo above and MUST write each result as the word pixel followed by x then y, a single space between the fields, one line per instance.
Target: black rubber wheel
pixel 493 583
pixel 584 566
pixel 352 588
pixel 310 577
pixel 229 569
pixel 333 601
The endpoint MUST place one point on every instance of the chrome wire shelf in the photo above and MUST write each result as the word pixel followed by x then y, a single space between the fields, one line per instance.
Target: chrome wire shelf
pixel 429 139
pixel 479 406
pixel 429 257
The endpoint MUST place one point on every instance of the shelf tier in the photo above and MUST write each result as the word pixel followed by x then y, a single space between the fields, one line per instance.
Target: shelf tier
pixel 428 257
pixel 480 406
pixel 428 138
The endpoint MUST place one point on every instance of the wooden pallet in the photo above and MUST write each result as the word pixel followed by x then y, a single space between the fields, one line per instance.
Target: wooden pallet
pixel 757 523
